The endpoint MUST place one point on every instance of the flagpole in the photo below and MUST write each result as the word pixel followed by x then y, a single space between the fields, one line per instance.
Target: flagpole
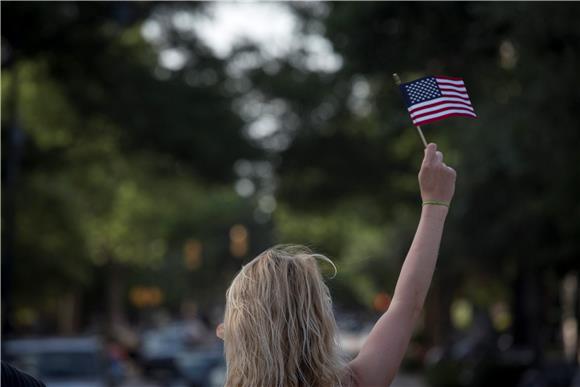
pixel 398 83
pixel 421 135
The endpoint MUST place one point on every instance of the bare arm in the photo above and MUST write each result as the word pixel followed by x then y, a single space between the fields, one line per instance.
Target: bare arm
pixel 381 355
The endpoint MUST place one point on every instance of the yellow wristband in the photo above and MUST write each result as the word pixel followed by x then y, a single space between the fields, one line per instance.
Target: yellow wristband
pixel 436 203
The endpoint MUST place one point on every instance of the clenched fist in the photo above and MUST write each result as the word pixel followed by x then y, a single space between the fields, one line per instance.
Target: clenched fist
pixel 437 180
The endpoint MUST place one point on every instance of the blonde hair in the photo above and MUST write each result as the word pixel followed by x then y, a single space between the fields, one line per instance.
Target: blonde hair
pixel 279 327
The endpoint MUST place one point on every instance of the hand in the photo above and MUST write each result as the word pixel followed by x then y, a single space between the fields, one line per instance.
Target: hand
pixel 437 180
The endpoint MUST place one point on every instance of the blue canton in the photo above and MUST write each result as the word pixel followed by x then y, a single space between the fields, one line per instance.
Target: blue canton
pixel 421 90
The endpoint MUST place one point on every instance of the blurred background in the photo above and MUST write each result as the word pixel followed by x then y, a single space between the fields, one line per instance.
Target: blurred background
pixel 150 149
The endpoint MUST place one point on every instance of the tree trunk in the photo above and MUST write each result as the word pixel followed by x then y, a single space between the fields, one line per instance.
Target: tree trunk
pixel 527 307
pixel 15 139
pixel 433 315
pixel 115 289
pixel 437 320
pixel 68 316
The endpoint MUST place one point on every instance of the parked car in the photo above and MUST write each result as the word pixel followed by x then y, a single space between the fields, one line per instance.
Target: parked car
pixel 195 367
pixel 60 361
pixel 159 349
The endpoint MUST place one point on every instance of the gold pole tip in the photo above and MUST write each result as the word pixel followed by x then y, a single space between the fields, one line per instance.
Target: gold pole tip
pixel 396 78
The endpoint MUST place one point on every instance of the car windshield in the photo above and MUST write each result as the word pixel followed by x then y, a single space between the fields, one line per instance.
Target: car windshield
pixel 64 365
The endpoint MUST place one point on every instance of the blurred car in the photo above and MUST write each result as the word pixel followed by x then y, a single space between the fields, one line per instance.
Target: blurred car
pixel 352 333
pixel 60 361
pixel 196 367
pixel 160 348
pixel 217 376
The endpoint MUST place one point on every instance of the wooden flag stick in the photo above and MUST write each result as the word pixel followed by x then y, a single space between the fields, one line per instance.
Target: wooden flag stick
pixel 398 83
pixel 421 135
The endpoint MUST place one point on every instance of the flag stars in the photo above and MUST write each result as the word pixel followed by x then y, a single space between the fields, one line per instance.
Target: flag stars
pixel 422 90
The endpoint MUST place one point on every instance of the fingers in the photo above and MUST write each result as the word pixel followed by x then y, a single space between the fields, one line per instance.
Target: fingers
pixel 433 157
pixel 430 154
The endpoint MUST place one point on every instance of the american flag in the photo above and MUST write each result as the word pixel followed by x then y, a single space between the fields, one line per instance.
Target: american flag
pixel 431 99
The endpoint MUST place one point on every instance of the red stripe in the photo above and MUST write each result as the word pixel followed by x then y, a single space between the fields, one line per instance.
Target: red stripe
pixel 436 111
pixel 443 92
pixel 435 101
pixel 439 103
pixel 443 110
pixel 452 78
pixel 450 87
pixel 440 118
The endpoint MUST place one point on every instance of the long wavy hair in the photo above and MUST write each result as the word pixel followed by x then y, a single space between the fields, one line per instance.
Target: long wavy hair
pixel 279 327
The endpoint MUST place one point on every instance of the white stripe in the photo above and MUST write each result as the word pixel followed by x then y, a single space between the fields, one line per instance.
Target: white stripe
pixel 435 115
pixel 450 81
pixel 439 107
pixel 456 88
pixel 462 95
pixel 440 99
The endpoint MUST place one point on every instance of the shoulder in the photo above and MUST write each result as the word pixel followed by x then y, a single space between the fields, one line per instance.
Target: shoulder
pixel 348 379
pixel 16 378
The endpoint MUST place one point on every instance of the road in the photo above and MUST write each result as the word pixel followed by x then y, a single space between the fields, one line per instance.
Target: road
pixel 402 380
pixel 409 380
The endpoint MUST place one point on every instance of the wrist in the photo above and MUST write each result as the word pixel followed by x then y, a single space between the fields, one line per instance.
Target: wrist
pixel 435 211
pixel 443 203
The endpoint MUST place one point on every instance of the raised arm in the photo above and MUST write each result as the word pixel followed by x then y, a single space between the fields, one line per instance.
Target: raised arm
pixel 381 355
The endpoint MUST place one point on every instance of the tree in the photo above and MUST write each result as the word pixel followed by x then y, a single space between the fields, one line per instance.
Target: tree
pixel 516 184
pixel 114 154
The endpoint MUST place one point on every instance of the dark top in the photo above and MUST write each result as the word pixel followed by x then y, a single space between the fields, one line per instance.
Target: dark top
pixel 12 377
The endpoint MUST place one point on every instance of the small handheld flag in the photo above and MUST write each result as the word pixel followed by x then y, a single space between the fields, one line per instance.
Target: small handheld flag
pixel 431 99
